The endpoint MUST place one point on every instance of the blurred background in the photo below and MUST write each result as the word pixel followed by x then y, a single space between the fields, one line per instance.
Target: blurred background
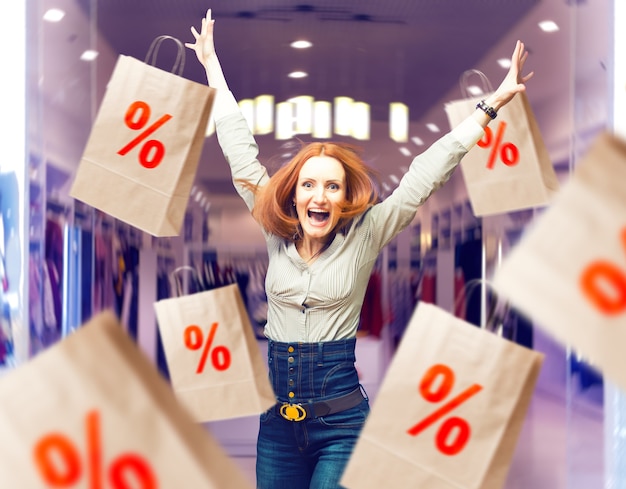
pixel 392 66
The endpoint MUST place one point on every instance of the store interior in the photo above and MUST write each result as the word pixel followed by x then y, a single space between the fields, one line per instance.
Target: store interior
pixel 80 260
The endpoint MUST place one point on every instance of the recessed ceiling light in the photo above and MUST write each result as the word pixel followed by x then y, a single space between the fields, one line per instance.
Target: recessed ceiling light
pixel 504 63
pixel 417 140
pixel 298 74
pixel 405 151
pixel 301 44
pixel 548 26
pixel 475 90
pixel 53 15
pixel 432 127
pixel 89 55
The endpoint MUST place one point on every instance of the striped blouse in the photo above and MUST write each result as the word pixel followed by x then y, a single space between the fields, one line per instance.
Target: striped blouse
pixel 322 301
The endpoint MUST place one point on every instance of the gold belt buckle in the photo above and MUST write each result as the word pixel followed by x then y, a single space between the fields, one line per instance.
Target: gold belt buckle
pixel 292 412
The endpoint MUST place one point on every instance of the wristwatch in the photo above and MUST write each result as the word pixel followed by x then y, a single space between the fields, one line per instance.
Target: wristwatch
pixel 490 111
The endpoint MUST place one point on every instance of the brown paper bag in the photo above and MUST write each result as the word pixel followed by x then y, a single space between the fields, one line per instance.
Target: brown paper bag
pixel 215 363
pixel 510 168
pixel 568 272
pixel 449 411
pixel 92 411
pixel 141 157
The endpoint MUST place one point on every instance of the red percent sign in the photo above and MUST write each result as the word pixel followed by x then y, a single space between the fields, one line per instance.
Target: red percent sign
pixel 220 355
pixel 509 154
pixel 59 462
pixel 136 118
pixel 604 284
pixel 435 387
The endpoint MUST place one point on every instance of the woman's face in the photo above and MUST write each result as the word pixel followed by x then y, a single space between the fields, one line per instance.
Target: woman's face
pixel 320 191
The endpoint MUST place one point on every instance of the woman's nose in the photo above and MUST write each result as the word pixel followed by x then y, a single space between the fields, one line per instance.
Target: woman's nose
pixel 320 195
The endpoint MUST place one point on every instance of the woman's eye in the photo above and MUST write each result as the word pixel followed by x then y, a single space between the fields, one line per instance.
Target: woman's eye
pixel 333 186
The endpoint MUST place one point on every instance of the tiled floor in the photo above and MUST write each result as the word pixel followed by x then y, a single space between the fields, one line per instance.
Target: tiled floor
pixel 560 446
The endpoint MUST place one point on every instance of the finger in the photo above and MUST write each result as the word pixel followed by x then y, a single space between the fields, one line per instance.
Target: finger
pixel 528 77
pixel 190 46
pixel 208 15
pixel 195 33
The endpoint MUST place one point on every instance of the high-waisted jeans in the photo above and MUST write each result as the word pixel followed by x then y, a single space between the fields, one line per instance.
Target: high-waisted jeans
pixel 312 453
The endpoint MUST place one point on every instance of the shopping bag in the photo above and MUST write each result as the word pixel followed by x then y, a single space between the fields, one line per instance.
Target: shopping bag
pixel 142 154
pixel 449 410
pixel 215 364
pixel 92 411
pixel 510 168
pixel 568 271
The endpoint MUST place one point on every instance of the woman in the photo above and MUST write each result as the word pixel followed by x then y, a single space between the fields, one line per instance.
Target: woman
pixel 324 227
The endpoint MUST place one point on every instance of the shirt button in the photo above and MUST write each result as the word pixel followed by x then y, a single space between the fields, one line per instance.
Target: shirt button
pixel 291 382
pixel 290 349
pixel 290 359
pixel 290 370
pixel 291 395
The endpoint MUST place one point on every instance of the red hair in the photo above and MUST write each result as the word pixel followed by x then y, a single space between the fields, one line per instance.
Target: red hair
pixel 273 206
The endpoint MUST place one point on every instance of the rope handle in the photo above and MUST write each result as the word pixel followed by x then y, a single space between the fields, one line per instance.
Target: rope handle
pixel 464 82
pixel 176 279
pixel 153 51
pixel 497 311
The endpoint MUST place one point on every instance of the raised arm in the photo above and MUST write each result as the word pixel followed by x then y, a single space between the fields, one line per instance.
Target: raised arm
pixel 233 134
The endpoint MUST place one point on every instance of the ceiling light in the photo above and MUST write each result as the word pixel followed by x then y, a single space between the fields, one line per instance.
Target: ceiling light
pixel 301 44
pixel 303 106
pixel 417 141
pixel 264 114
pixel 284 120
pixel 53 15
pixel 394 179
pixel 504 63
pixel 432 127
pixel 475 90
pixel 548 26
pixel 322 119
pixel 405 151
pixel 298 74
pixel 89 55
pixel 360 120
pixel 343 115
pixel 399 122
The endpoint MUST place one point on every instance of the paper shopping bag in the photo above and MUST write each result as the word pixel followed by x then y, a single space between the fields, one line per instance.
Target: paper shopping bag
pixel 92 411
pixel 449 410
pixel 215 363
pixel 510 168
pixel 568 271
pixel 142 154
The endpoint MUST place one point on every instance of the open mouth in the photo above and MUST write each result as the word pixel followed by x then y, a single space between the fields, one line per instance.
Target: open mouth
pixel 318 216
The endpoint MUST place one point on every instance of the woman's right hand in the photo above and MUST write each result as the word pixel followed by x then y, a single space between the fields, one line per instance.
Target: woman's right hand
pixel 204 46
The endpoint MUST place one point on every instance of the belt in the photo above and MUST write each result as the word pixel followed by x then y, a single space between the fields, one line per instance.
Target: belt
pixel 299 412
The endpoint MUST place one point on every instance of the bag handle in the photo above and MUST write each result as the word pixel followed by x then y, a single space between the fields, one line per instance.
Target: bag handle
pixel 498 310
pixel 464 82
pixel 176 279
pixel 153 51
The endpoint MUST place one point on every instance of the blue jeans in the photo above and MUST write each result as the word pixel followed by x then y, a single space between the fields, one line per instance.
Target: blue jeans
pixel 312 453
